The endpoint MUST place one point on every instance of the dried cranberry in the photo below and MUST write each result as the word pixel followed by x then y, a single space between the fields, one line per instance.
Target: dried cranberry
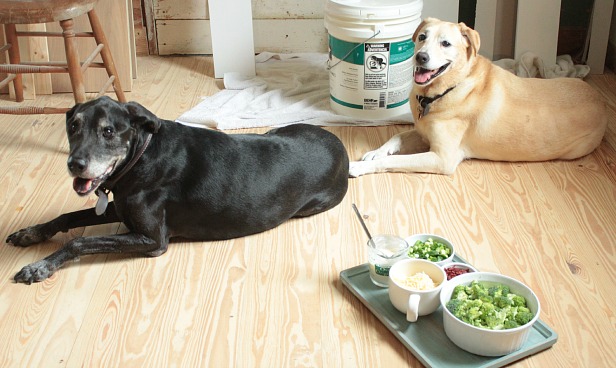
pixel 455 271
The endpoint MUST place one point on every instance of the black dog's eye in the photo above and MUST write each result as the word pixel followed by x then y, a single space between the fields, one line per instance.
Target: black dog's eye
pixel 445 43
pixel 73 128
pixel 422 37
pixel 108 132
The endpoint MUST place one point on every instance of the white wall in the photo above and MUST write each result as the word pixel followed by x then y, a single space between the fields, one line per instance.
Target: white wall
pixel 443 9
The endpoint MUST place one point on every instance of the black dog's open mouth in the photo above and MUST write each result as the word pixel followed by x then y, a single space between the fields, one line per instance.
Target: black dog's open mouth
pixel 84 186
pixel 423 76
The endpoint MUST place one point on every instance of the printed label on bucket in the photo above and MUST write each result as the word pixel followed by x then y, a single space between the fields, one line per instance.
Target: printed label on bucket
pixel 370 76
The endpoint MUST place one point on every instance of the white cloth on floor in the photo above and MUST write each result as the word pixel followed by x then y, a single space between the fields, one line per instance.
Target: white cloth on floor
pixel 294 88
pixel 288 89
pixel 530 65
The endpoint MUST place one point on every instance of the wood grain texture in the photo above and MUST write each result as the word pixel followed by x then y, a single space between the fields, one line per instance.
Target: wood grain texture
pixel 275 299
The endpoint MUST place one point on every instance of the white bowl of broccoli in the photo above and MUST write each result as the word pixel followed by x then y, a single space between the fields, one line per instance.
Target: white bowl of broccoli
pixel 430 247
pixel 487 313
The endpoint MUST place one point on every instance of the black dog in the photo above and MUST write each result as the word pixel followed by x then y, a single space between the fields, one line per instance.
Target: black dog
pixel 170 180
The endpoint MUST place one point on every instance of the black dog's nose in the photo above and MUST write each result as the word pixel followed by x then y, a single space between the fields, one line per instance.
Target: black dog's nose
pixel 77 165
pixel 422 57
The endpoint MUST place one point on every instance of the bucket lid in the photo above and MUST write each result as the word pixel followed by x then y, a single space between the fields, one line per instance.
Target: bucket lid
pixel 374 9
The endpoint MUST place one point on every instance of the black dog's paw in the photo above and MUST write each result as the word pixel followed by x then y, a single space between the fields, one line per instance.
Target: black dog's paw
pixel 35 272
pixel 28 236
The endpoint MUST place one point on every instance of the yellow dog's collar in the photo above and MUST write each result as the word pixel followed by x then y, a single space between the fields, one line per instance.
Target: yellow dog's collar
pixel 425 101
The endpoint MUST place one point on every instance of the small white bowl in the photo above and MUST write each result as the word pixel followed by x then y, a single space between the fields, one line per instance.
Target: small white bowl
pixel 423 237
pixel 482 341
pixel 461 265
pixel 415 302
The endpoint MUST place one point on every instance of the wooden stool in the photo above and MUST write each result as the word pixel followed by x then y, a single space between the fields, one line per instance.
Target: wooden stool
pixel 14 12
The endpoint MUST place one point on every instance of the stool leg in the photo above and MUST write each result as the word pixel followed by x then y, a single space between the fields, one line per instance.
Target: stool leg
pixel 11 37
pixel 99 36
pixel 72 59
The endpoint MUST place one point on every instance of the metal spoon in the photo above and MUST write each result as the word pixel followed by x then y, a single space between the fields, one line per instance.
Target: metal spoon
pixel 361 220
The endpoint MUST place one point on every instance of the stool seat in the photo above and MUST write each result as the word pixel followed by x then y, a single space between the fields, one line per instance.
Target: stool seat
pixel 14 12
pixel 42 11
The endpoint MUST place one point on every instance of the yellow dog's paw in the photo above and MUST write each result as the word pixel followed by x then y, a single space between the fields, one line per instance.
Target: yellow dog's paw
pixel 358 168
pixel 390 148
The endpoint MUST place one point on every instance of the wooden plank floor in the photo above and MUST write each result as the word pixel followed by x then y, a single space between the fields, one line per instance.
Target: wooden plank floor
pixel 275 299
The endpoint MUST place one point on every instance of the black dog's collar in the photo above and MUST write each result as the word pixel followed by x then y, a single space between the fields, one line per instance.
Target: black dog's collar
pixel 425 101
pixel 104 189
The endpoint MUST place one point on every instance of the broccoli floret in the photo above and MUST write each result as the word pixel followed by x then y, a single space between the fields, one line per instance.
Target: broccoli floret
pixel 498 290
pixel 492 290
pixel 459 292
pixel 477 291
pixel 454 306
pixel 469 288
pixel 502 301
pixel 523 318
pixel 505 290
pixel 459 288
pixel 523 309
pixel 510 324
pixel 493 322
pixel 517 300
pixel 488 309
pixel 486 299
pixel 474 312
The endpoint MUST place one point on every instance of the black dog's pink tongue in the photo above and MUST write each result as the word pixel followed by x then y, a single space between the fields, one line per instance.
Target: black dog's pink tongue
pixel 423 75
pixel 82 186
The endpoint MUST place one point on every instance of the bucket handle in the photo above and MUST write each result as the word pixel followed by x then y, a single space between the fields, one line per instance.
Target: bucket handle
pixel 353 49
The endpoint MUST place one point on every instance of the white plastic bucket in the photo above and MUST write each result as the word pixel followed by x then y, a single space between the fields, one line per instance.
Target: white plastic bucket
pixel 370 56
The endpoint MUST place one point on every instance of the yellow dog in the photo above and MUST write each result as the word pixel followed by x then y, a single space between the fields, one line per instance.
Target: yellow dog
pixel 466 107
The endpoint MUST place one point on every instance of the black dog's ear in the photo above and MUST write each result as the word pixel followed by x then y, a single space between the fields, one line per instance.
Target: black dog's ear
pixel 140 116
pixel 71 112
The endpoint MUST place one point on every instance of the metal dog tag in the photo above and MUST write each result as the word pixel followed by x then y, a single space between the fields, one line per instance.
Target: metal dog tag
pixel 101 204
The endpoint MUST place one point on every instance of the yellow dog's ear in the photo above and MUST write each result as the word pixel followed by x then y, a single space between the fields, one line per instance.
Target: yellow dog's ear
pixel 472 37
pixel 420 26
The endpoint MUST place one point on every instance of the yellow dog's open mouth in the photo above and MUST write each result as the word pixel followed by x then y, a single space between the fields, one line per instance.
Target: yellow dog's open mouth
pixel 423 75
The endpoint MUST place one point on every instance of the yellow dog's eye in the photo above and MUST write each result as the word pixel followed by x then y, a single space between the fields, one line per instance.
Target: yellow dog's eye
pixel 422 37
pixel 445 44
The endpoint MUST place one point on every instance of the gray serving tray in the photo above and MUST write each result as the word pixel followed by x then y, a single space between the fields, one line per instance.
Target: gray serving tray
pixel 426 338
